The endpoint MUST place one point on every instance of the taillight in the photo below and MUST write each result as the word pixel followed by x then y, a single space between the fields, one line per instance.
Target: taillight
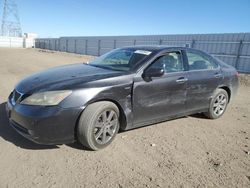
pixel 237 74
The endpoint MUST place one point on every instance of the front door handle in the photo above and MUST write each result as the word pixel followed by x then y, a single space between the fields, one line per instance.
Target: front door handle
pixel 181 80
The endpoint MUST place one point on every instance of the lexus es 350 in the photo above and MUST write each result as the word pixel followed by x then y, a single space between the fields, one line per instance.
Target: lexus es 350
pixel 123 89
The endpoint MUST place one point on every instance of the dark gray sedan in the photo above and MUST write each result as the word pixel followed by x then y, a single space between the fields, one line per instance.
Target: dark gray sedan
pixel 123 89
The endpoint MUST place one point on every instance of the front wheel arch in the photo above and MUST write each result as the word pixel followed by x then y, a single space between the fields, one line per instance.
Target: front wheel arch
pixel 87 124
pixel 122 117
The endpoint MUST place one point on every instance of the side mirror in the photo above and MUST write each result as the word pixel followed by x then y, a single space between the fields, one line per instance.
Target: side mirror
pixel 153 72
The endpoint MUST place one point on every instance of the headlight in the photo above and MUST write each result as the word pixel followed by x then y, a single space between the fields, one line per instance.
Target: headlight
pixel 48 98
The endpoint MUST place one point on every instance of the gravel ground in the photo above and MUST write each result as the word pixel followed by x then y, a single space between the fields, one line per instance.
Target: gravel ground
pixel 186 152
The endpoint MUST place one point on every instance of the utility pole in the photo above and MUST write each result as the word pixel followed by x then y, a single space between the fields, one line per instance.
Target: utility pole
pixel 10 21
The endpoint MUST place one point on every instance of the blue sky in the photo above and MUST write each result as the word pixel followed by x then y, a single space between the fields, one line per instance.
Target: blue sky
pixel 53 18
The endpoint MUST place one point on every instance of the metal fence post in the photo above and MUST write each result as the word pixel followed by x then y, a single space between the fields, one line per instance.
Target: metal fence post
pixel 238 54
pixel 59 45
pixel 160 42
pixel 99 47
pixel 86 47
pixel 134 42
pixel 193 43
pixel 114 44
pixel 75 46
pixel 67 43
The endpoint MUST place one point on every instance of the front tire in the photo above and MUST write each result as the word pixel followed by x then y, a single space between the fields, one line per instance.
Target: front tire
pixel 218 104
pixel 98 125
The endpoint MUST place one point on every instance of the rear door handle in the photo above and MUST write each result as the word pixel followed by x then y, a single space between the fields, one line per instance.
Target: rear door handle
pixel 181 80
pixel 217 75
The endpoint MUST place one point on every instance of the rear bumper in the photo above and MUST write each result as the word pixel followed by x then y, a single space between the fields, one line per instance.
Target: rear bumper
pixel 234 87
pixel 44 125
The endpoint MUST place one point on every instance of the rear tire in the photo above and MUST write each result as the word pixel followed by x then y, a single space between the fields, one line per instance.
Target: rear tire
pixel 218 104
pixel 98 125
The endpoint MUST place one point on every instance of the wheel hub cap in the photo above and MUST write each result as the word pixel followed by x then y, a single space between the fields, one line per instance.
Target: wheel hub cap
pixel 219 104
pixel 105 126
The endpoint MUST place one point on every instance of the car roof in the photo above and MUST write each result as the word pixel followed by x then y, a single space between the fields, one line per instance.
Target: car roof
pixel 154 48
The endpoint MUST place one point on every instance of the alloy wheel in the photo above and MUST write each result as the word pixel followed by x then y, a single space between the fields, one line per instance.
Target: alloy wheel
pixel 220 104
pixel 105 126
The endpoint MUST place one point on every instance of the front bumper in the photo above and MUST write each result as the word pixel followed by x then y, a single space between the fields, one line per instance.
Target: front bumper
pixel 44 125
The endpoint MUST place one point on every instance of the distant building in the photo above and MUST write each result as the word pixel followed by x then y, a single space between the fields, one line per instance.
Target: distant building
pixel 30 35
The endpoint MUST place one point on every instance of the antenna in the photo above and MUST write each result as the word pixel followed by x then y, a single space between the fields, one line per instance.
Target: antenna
pixel 10 21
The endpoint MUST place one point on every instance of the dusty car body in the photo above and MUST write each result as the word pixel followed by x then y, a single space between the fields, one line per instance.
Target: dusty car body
pixel 143 95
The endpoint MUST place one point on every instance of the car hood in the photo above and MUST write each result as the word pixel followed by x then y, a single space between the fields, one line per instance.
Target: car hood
pixel 65 77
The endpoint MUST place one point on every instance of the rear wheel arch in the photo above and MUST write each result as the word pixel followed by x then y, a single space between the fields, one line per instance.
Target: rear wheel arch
pixel 217 104
pixel 227 89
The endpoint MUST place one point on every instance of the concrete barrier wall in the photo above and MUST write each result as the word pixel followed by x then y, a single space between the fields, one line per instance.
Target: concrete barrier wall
pixel 16 42
pixel 11 42
pixel 232 48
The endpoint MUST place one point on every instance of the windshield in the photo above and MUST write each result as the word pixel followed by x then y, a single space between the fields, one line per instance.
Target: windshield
pixel 121 59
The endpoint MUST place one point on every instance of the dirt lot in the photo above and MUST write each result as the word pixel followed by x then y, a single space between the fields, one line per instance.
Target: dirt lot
pixel 186 152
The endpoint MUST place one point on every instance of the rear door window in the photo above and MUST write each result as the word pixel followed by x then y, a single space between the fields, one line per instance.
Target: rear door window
pixel 198 61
